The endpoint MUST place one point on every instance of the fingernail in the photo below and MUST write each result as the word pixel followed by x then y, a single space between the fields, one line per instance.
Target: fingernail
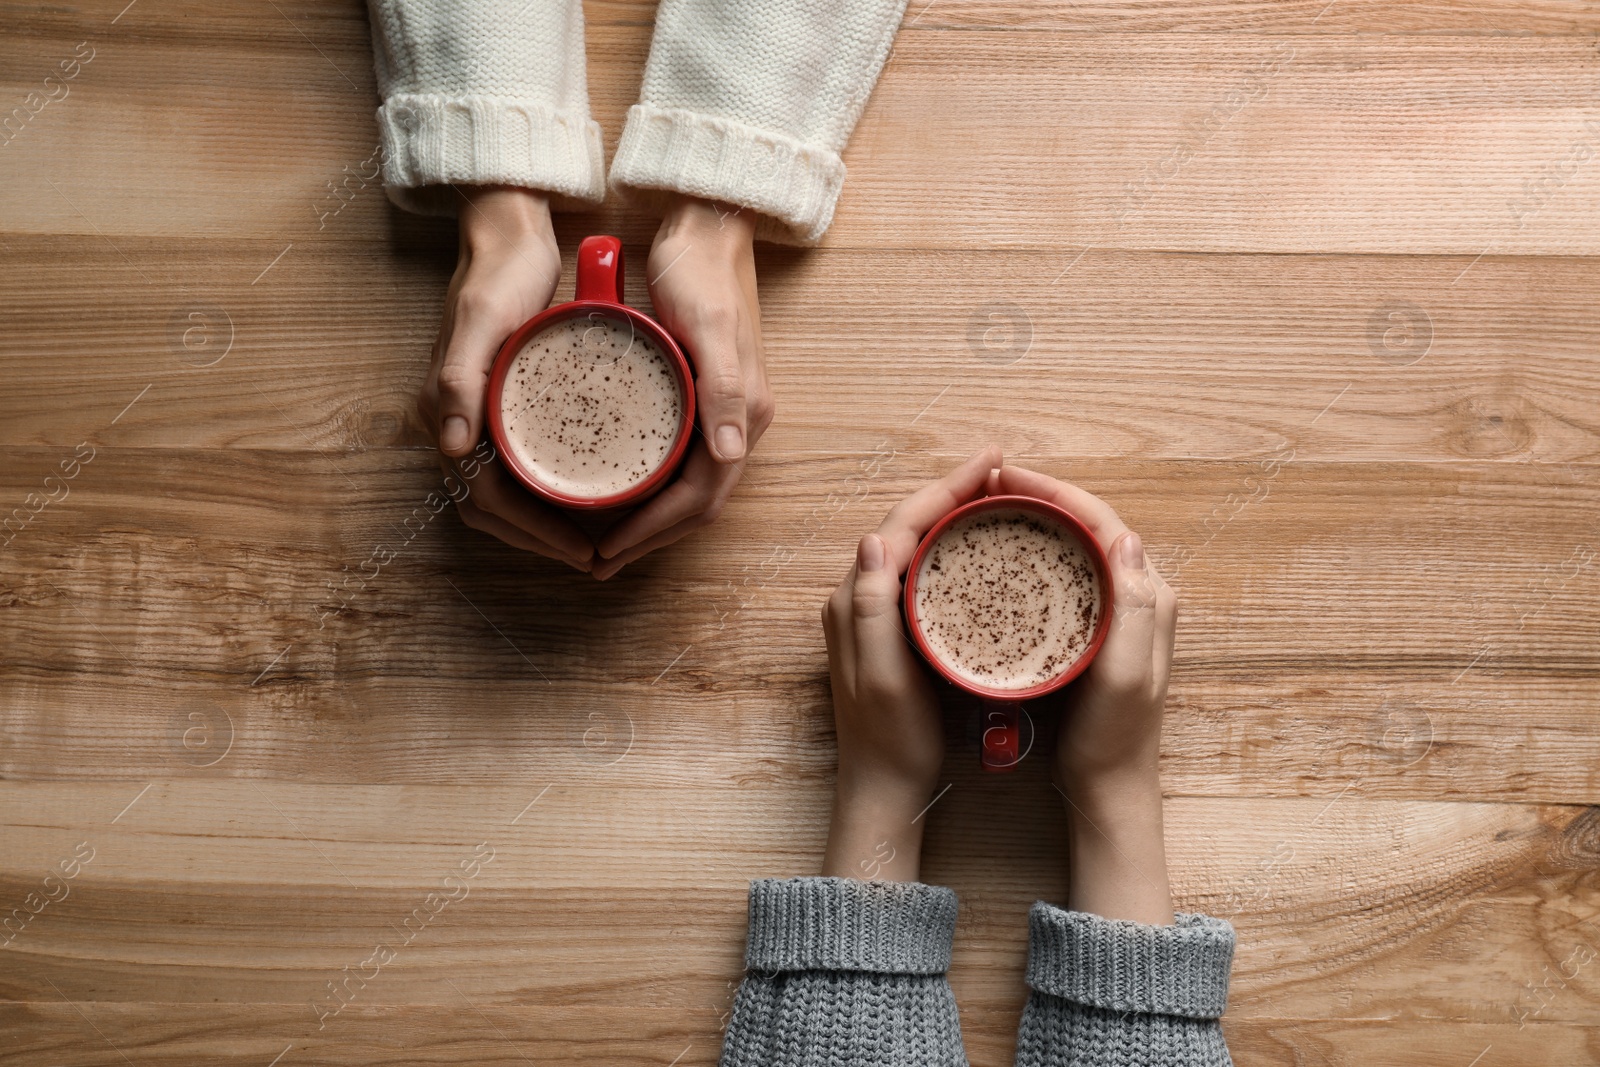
pixel 453 438
pixel 1133 552
pixel 730 442
pixel 871 554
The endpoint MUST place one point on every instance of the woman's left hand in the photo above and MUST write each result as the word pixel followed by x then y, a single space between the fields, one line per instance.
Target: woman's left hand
pixel 702 276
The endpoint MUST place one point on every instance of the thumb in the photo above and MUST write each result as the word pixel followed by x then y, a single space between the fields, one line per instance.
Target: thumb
pixel 713 345
pixel 875 605
pixel 1124 661
pixel 464 380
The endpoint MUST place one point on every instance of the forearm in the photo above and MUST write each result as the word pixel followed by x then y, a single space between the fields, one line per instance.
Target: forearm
pixel 873 836
pixel 1118 855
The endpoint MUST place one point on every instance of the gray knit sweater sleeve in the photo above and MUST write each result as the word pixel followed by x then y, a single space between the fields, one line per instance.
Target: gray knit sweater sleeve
pixel 1112 993
pixel 843 972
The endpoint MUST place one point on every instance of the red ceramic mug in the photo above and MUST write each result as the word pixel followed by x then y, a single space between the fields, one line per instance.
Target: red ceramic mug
pixel 599 292
pixel 1001 747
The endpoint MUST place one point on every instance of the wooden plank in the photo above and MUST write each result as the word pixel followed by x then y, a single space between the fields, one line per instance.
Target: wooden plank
pixel 1338 900
pixel 455 1030
pixel 1347 358
pixel 1276 733
pixel 345 24
pixel 167 584
pixel 1200 142
pixel 1392 17
pixel 1314 564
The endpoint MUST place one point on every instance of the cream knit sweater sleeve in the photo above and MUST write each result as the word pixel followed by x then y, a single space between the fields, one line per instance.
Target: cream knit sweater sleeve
pixel 483 92
pixel 751 101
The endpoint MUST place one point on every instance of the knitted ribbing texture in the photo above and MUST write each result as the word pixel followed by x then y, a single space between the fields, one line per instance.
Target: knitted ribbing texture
pixel 844 973
pixel 1113 993
pixel 752 101
pixel 484 92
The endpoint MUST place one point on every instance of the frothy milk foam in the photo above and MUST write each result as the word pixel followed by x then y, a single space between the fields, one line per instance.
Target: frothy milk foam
pixel 591 406
pixel 1007 599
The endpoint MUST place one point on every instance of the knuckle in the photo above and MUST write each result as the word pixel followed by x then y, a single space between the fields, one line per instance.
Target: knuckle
pixel 865 603
pixel 476 301
pixel 838 604
pixel 723 386
pixel 714 316
pixel 762 408
pixel 457 381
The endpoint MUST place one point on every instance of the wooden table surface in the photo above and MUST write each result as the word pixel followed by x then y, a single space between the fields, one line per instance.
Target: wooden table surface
pixel 1307 290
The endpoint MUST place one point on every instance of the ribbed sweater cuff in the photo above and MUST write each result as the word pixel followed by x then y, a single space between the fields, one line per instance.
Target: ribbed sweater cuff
pixel 431 140
pixel 786 180
pixel 840 924
pixel 1180 969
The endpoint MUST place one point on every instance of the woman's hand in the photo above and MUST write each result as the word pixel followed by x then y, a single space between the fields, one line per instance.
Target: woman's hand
pixel 886 714
pixel 506 273
pixel 1109 748
pixel 702 277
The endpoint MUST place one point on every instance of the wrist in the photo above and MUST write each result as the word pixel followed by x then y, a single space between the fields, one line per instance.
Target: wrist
pixel 714 223
pixel 1115 839
pixel 874 835
pixel 494 214
pixel 1133 786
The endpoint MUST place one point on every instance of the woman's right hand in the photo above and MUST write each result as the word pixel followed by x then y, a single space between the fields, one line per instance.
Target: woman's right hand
pixel 885 711
pixel 506 273
pixel 1108 752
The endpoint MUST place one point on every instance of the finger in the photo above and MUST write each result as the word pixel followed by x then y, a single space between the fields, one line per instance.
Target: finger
pixel 699 492
pixel 1089 509
pixel 491 490
pixel 478 519
pixel 428 396
pixel 882 663
pixel 604 568
pixel 759 403
pixel 838 626
pixel 1166 630
pixel 712 340
pixel 911 519
pixel 1124 661
pixel 476 334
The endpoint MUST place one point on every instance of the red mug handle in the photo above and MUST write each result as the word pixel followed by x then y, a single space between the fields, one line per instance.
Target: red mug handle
pixel 600 270
pixel 1000 737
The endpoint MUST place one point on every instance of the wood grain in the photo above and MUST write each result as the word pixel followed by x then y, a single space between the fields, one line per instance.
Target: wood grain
pixel 1179 141
pixel 1305 290
pixel 1343 358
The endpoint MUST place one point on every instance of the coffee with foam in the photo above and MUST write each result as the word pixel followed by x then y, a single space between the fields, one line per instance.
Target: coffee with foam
pixel 1007 599
pixel 591 406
